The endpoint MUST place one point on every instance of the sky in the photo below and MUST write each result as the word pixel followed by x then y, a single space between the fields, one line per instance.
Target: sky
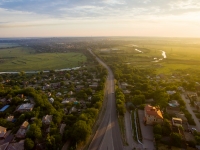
pixel 55 18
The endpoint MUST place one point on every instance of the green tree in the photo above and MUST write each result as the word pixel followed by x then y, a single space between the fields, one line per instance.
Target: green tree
pixel 121 109
pixel 50 142
pixel 157 129
pixel 28 144
pixel 34 132
pixel 176 138
pixel 167 127
pixel 80 131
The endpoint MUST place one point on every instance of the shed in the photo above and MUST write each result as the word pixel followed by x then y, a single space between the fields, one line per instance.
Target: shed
pixel 4 108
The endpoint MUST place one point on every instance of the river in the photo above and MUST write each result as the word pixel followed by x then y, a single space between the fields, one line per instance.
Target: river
pixel 12 72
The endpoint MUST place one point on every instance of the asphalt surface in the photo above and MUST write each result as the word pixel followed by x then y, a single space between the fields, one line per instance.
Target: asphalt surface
pixel 147 133
pixel 108 136
pixel 129 134
pixel 187 102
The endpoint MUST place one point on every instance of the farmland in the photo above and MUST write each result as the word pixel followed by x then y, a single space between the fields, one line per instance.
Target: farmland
pixel 181 53
pixel 26 59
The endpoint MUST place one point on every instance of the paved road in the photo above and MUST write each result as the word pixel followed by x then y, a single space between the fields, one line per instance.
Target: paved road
pixel 187 102
pixel 108 136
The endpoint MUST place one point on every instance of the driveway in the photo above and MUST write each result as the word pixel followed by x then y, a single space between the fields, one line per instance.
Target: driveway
pixel 187 103
pixel 129 134
pixel 147 133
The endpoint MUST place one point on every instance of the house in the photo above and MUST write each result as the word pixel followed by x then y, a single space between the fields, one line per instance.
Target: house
pixel 152 115
pixel 21 133
pixel 124 85
pixel 93 86
pixel 173 103
pixel 58 94
pixel 79 87
pixel 171 92
pixel 126 91
pixel 47 119
pixel 151 100
pixel 2 132
pixel 62 128
pixel 51 100
pixel 70 93
pixel 182 117
pixel 49 94
pixel 172 110
pixel 73 109
pixel 10 118
pixel 25 107
pixel 177 122
pixel 4 108
pixel 180 88
pixel 3 101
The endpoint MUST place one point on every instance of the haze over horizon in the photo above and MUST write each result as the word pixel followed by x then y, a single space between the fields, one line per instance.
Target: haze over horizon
pixel 42 18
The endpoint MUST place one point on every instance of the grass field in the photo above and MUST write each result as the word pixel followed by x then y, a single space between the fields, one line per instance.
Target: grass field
pixel 182 53
pixel 4 45
pixel 25 59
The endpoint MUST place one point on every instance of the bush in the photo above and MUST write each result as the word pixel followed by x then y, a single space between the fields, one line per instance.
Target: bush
pixel 28 144
pixel 157 137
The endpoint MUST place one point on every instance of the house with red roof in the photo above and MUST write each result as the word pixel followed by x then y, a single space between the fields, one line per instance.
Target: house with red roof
pixel 153 115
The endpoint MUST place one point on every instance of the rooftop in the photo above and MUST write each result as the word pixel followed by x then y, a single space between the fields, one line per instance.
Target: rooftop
pixel 153 111
pixel 4 108
pixel 26 106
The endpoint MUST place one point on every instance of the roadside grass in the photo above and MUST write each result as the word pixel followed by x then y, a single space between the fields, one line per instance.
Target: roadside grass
pixel 133 126
pixel 122 129
pixel 25 59
pixel 197 115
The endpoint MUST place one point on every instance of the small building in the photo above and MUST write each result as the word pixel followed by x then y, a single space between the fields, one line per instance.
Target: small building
pixel 4 108
pixel 152 115
pixel 124 85
pixel 25 107
pixel 172 110
pixel 79 87
pixel 173 103
pixel 171 92
pixel 62 128
pixel 21 133
pixel 51 100
pixel 70 93
pixel 73 109
pixel 10 118
pixel 47 119
pixel 2 132
pixel 58 94
pixel 93 86
pixel 126 91
pixel 177 122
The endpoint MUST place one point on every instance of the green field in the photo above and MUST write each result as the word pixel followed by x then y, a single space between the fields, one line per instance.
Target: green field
pixel 26 59
pixel 182 53
pixel 4 45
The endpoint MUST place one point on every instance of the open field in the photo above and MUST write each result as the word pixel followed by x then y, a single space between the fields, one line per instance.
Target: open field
pixel 4 45
pixel 181 53
pixel 25 59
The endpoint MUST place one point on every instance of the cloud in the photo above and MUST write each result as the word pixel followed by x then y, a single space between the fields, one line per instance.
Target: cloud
pixel 100 8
